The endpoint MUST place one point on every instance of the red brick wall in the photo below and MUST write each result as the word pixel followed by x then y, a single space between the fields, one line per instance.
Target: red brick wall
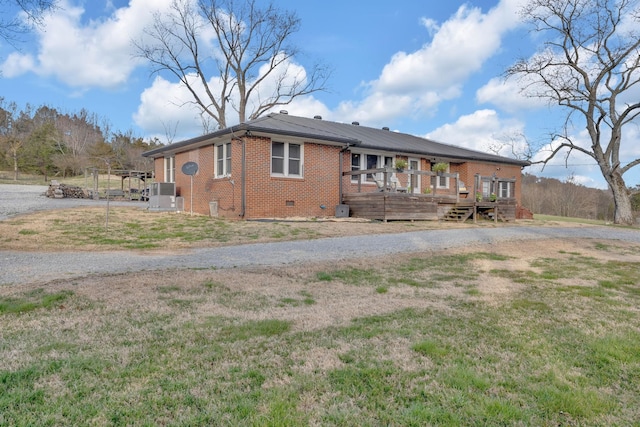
pixel 470 169
pixel 201 180
pixel 158 166
pixel 269 197
pixel 266 196
pixel 226 191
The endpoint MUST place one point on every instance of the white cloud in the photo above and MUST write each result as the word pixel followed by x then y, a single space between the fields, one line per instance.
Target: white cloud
pixel 163 110
pixel 17 64
pixel 431 25
pixel 307 106
pixel 87 54
pixel 419 81
pixel 168 103
pixel 506 95
pixel 483 130
pixel 411 84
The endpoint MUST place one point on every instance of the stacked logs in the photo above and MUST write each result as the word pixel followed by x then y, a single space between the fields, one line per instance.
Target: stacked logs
pixel 60 191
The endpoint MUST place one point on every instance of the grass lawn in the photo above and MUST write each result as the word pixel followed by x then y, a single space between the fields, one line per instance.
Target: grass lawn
pixel 545 218
pixel 543 335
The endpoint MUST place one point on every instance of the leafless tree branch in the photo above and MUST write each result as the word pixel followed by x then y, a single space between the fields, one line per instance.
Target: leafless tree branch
pixel 591 58
pixel 246 65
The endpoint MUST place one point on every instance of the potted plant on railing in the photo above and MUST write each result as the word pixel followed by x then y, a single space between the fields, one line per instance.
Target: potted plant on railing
pixel 478 196
pixel 439 168
pixel 400 165
pixel 493 197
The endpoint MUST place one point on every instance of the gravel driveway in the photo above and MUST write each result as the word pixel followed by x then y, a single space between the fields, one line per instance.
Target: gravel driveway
pixel 19 199
pixel 23 267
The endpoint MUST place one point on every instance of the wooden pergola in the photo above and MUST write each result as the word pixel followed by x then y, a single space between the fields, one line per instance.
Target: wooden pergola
pixel 133 193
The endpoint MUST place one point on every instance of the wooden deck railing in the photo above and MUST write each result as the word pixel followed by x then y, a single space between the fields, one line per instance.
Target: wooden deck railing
pixel 387 184
pixel 391 202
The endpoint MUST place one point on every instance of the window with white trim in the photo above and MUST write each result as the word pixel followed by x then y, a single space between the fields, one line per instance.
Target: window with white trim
pixel 486 188
pixel 286 159
pixel 504 189
pixel 170 169
pixel 223 159
pixel 364 161
pixel 443 181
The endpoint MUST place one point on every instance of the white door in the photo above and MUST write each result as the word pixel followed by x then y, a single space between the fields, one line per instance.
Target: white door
pixel 414 164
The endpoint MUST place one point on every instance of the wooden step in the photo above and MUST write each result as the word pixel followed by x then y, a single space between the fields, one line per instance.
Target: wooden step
pixel 459 213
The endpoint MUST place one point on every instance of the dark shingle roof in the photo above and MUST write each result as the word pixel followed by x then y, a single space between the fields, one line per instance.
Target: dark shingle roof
pixel 352 134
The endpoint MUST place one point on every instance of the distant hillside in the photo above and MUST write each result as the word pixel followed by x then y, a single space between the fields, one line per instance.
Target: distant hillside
pixel 550 196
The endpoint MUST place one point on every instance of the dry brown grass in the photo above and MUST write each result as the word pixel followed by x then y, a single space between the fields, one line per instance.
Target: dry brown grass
pixel 74 228
pixel 173 324
pixel 258 293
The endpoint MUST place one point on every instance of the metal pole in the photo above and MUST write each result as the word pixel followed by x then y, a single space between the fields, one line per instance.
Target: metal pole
pixel 106 224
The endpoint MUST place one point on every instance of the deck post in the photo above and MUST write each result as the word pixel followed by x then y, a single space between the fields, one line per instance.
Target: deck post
pixel 384 207
pixel 387 184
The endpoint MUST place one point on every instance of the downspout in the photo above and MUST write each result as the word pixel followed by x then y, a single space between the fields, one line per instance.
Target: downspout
pixel 341 163
pixel 243 177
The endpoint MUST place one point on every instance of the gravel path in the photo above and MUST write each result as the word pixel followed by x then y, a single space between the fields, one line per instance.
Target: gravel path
pixel 19 199
pixel 28 267
pixel 20 268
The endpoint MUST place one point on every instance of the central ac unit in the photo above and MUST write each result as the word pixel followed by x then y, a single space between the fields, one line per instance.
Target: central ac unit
pixel 162 196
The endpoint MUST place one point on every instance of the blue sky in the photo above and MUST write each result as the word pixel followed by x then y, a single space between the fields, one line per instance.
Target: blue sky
pixel 429 68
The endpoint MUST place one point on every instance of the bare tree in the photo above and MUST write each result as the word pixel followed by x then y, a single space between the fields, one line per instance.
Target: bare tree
pixel 590 64
pixel 15 127
pixel 80 132
pixel 246 63
pixel 19 16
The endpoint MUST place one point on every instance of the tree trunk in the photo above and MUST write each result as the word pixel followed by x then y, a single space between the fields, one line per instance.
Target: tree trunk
pixel 622 200
pixel 15 167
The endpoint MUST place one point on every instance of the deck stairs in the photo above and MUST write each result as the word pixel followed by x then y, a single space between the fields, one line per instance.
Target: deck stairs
pixel 459 213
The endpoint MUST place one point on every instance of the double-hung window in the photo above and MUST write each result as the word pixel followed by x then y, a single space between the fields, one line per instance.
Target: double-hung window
pixel 443 181
pixel 223 159
pixel 486 188
pixel 170 169
pixel 504 189
pixel 286 159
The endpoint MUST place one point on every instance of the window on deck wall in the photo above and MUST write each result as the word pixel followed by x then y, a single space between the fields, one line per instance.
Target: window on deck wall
pixel 223 159
pixel 170 169
pixel 443 181
pixel 364 161
pixel 286 159
pixel 486 188
pixel 505 189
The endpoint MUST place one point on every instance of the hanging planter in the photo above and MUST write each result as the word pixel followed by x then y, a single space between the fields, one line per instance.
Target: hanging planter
pixel 401 165
pixel 440 168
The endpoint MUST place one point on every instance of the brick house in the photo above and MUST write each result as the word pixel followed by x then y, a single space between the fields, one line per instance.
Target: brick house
pixel 281 165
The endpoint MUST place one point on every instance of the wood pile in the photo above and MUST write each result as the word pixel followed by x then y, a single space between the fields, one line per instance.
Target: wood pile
pixel 60 191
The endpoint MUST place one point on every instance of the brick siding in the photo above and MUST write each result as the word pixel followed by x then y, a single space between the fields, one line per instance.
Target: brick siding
pixel 315 194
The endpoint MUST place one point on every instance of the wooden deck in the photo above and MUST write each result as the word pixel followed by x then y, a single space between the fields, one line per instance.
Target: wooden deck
pixel 389 206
